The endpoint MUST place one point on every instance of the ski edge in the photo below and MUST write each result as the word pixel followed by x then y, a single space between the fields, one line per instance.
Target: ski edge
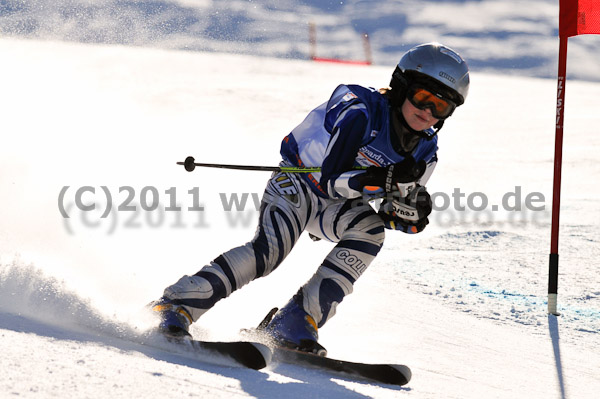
pixel 394 374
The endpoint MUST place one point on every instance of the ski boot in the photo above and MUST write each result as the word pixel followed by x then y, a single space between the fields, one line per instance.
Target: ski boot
pixel 293 328
pixel 175 320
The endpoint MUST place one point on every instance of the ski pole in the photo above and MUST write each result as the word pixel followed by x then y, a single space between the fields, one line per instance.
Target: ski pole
pixel 190 164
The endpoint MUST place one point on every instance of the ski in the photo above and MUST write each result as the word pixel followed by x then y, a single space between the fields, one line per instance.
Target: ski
pixel 248 354
pixel 394 374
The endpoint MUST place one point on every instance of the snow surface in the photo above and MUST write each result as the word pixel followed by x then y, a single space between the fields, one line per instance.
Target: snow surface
pixel 463 304
pixel 508 36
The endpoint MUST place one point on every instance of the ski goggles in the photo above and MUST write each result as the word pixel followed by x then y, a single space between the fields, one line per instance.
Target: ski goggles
pixel 441 108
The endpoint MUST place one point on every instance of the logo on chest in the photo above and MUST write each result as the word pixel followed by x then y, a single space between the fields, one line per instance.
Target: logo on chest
pixel 369 156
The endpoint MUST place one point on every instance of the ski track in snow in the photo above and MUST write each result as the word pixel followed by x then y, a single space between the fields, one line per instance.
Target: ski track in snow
pixel 468 280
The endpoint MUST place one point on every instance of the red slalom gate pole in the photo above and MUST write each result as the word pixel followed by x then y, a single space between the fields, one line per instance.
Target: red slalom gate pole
pixel 560 107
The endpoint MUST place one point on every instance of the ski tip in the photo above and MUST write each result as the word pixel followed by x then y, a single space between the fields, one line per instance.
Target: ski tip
pixel 265 351
pixel 404 370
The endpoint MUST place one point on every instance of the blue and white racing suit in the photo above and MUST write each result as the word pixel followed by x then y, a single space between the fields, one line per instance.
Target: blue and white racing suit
pixel 351 129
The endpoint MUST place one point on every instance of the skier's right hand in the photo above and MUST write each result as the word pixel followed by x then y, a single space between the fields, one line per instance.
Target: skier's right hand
pixel 408 214
pixel 389 177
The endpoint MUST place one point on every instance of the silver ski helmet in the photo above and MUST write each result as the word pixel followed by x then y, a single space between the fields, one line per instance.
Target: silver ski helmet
pixel 436 66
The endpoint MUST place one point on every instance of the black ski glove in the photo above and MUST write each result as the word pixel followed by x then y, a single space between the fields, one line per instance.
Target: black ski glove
pixel 387 177
pixel 408 214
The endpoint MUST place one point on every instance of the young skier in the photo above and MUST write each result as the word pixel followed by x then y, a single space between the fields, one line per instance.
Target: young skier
pixel 369 144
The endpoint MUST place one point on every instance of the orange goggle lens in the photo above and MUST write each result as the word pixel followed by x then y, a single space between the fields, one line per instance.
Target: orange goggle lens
pixel 440 107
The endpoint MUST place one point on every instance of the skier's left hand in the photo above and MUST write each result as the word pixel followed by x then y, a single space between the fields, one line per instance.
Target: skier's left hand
pixel 386 179
pixel 408 214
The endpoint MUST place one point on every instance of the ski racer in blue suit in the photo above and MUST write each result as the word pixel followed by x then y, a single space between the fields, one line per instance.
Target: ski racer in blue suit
pixel 369 144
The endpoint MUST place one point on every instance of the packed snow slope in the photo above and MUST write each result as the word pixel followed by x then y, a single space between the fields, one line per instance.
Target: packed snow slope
pixel 463 304
pixel 500 36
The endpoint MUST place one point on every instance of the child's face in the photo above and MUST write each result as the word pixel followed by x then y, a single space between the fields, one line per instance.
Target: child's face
pixel 417 119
